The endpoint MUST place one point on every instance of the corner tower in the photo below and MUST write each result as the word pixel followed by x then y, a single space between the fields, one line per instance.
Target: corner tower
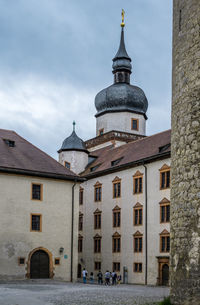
pixel 121 106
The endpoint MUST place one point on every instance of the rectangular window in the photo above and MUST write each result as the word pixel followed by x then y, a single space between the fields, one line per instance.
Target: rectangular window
pixel 36 191
pixel 116 244
pixel 97 245
pixel 97 266
pixel 165 179
pixel 80 244
pixel 21 261
pixel 116 218
pixel 36 222
pixel 137 267
pixel 165 213
pixel 138 216
pixel 80 223
pixel 137 243
pixel 57 261
pixel 97 193
pixel 81 196
pixel 134 124
pixel 101 131
pixel 116 266
pixel 137 185
pixel 116 189
pixel 67 164
pixel 97 221
pixel 165 243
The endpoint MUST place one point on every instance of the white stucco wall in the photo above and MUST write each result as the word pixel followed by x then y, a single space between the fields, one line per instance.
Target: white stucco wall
pixel 127 201
pixel 77 159
pixel 120 121
pixel 16 240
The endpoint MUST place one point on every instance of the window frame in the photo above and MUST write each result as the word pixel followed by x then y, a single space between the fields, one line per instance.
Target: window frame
pixel 137 270
pixel 138 207
pixel 118 194
pixel 41 191
pixel 117 210
pixel 97 220
pixel 31 225
pixel 95 266
pixel 118 265
pixel 137 120
pixel 81 193
pixel 166 235
pixel 164 203
pixel 80 243
pixel 136 177
pixel 19 258
pixel 136 238
pixel 116 243
pixel 58 259
pixel 68 164
pixel 164 170
pixel 98 185
pixel 80 223
pixel 97 246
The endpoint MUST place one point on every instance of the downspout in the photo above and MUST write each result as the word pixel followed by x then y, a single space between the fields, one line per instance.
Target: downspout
pixel 146 243
pixel 72 231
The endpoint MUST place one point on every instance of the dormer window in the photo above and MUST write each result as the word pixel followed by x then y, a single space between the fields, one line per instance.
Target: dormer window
pixel 10 143
pixel 92 169
pixel 115 162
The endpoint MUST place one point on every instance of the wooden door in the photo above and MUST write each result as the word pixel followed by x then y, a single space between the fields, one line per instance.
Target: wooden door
pixel 39 265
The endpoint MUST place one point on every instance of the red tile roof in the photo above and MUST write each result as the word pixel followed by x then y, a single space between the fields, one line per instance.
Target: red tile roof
pixel 24 156
pixel 150 148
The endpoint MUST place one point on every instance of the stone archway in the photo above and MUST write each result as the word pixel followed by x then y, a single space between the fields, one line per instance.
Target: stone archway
pixel 40 259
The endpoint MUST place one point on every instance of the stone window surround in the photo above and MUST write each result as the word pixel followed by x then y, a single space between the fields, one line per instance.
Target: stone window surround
pixel 35 214
pixel 136 267
pixel 164 234
pixel 117 211
pixel 97 243
pixel 136 239
pixel 137 128
pixel 98 192
pixel 19 259
pixel 164 169
pixel 41 191
pixel 57 261
pixel 116 194
pixel 80 243
pixel 136 183
pixel 164 203
pixel 97 219
pixel 116 243
pixel 137 207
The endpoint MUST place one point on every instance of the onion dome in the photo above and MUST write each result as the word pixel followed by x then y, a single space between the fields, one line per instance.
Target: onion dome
pixel 73 142
pixel 121 96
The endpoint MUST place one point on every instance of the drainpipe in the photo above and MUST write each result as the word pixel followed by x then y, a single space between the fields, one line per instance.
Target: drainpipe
pixel 72 231
pixel 146 245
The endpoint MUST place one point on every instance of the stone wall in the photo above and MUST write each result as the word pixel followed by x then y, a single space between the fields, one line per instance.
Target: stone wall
pixel 185 190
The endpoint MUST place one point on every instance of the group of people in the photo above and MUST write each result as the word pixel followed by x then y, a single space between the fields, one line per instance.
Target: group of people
pixel 110 278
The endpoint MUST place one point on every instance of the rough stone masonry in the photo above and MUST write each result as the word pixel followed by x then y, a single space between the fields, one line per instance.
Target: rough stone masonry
pixel 185 190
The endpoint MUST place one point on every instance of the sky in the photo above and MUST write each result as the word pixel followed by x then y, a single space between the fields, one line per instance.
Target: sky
pixel 56 55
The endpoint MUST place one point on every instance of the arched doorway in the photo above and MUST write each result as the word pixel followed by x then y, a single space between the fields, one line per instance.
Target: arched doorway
pixel 39 267
pixel 165 274
pixel 79 271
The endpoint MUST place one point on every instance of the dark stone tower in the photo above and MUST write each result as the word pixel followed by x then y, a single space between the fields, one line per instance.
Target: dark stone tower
pixel 185 190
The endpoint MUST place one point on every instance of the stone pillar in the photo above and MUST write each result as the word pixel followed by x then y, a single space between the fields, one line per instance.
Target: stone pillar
pixel 185 184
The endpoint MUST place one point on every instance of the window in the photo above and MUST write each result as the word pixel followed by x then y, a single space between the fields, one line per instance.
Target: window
pixel 164 241
pixel 67 165
pixel 164 177
pixel 97 243
pixel 116 187
pixel 101 131
pixel 97 266
pixel 97 191
pixel 116 242
pixel 92 169
pixel 10 143
pixel 36 222
pixel 137 244
pixel 137 267
pixel 137 214
pixel 21 261
pixel 164 210
pixel 134 124
pixel 57 261
pixel 137 183
pixel 116 266
pixel 81 196
pixel 80 222
pixel 115 162
pixel 80 243
pixel 36 191
pixel 116 217
pixel 97 219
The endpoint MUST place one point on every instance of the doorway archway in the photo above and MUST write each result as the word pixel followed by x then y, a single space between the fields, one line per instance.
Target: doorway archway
pixel 40 264
pixel 165 274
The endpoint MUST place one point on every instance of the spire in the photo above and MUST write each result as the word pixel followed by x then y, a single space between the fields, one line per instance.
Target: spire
pixel 121 61
pixel 74 125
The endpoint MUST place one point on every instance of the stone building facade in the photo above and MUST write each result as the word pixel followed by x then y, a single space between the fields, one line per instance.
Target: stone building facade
pixel 185 192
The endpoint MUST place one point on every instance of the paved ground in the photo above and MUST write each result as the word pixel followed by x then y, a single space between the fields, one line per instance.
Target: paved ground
pixel 48 292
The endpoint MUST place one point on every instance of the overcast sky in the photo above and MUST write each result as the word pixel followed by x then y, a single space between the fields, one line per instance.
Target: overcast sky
pixel 56 55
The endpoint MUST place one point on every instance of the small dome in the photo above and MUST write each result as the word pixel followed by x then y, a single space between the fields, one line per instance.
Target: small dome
pixel 121 97
pixel 73 142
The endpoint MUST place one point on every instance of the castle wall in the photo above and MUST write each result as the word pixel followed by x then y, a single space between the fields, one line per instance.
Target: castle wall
pixel 16 238
pixel 185 195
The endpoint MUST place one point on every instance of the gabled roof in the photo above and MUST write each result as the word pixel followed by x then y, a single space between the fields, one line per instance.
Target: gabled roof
pixel 131 154
pixel 25 158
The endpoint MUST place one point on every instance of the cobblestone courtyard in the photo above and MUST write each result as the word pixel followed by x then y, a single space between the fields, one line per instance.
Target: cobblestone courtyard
pixel 47 292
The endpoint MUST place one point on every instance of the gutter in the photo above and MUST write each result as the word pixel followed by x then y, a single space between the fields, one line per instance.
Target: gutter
pixel 146 238
pixel 41 174
pixel 72 232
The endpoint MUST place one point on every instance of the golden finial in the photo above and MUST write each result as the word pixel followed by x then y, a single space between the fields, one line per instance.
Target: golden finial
pixel 123 24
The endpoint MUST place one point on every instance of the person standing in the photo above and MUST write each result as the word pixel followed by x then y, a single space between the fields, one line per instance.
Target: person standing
pixel 114 277
pixel 84 273
pixel 91 278
pixel 107 278
pixel 100 277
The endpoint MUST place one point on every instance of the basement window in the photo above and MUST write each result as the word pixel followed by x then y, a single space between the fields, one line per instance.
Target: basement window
pixel 10 143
